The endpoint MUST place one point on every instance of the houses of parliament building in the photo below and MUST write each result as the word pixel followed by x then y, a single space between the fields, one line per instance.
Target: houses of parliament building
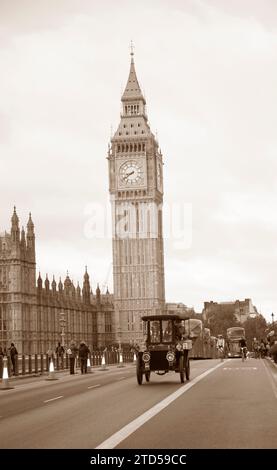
pixel 31 309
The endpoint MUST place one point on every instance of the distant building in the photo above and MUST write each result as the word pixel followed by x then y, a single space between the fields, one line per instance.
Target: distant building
pixel 242 309
pixel 172 308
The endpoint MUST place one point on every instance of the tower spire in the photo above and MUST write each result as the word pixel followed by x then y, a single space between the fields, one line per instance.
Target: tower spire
pixel 132 90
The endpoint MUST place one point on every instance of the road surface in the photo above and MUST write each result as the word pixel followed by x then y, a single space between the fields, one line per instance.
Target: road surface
pixel 229 405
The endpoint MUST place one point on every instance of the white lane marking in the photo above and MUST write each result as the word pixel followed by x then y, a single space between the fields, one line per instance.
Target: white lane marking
pixel 121 378
pixel 130 428
pixel 240 368
pixel 94 386
pixel 52 399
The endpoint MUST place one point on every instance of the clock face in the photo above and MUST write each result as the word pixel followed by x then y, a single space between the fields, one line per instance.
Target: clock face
pixel 131 173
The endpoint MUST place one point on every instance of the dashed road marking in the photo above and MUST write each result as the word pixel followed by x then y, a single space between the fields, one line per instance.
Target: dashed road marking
pixel 94 386
pixel 52 399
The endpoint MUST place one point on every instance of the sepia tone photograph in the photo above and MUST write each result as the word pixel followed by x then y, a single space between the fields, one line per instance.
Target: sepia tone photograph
pixel 138 228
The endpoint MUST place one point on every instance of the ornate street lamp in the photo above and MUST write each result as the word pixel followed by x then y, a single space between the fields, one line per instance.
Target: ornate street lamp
pixel 62 324
pixel 272 316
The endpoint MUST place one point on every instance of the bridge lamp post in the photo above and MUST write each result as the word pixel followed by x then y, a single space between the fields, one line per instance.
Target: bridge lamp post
pixel 62 324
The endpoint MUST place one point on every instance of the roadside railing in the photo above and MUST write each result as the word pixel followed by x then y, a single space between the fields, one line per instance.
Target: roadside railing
pixel 36 364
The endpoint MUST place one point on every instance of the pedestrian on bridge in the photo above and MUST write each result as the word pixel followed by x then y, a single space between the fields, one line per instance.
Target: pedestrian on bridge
pixel 72 353
pixel 13 355
pixel 59 353
pixel 83 355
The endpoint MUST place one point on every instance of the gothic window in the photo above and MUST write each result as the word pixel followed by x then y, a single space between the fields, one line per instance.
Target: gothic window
pixel 139 147
pixel 143 147
pixel 127 133
pixel 142 132
pixel 126 109
pixel 138 124
pixel 131 148
pixel 118 148
pixel 135 147
pixel 135 132
pixel 127 147
pixel 124 125
pixel 132 125
pixel 123 148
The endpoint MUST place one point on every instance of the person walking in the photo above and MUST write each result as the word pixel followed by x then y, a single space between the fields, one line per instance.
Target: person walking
pixel 72 353
pixel 59 354
pixel 83 355
pixel 220 344
pixel 13 355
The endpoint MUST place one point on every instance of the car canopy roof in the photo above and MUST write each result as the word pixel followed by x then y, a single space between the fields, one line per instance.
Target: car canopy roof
pixel 161 317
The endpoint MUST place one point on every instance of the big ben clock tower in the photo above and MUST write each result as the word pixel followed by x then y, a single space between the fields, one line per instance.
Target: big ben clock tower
pixel 136 190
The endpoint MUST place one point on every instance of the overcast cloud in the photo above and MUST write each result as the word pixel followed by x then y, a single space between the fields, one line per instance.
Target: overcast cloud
pixel 209 72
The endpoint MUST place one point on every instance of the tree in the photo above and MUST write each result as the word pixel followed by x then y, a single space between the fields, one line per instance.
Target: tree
pixel 219 321
pixel 255 328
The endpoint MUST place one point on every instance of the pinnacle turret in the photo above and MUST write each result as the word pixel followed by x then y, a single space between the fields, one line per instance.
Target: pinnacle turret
pixel 30 225
pixel 31 238
pixel 54 285
pixel 15 232
pixel 86 288
pixel 39 281
pixel 60 285
pixel 47 283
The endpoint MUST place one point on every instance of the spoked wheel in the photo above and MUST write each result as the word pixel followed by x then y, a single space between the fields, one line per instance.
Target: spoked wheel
pixel 187 365
pixel 147 375
pixel 181 369
pixel 139 372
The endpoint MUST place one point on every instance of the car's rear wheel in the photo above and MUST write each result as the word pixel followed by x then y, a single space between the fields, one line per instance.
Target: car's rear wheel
pixel 187 365
pixel 139 373
pixel 181 369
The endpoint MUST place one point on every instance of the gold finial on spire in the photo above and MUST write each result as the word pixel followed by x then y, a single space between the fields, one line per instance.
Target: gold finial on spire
pixel 132 50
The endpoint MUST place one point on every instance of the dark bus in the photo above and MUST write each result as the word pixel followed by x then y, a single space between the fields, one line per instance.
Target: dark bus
pixel 234 335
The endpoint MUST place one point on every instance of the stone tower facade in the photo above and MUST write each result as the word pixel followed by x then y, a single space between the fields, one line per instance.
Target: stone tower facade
pixel 18 319
pixel 136 190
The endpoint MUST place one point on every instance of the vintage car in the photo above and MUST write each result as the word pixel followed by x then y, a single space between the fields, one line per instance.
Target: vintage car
pixel 166 347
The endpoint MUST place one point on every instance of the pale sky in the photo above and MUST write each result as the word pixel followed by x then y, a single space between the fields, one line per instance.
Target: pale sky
pixel 208 69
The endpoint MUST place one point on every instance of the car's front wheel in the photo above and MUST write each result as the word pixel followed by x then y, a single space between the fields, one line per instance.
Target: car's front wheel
pixel 139 372
pixel 147 375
